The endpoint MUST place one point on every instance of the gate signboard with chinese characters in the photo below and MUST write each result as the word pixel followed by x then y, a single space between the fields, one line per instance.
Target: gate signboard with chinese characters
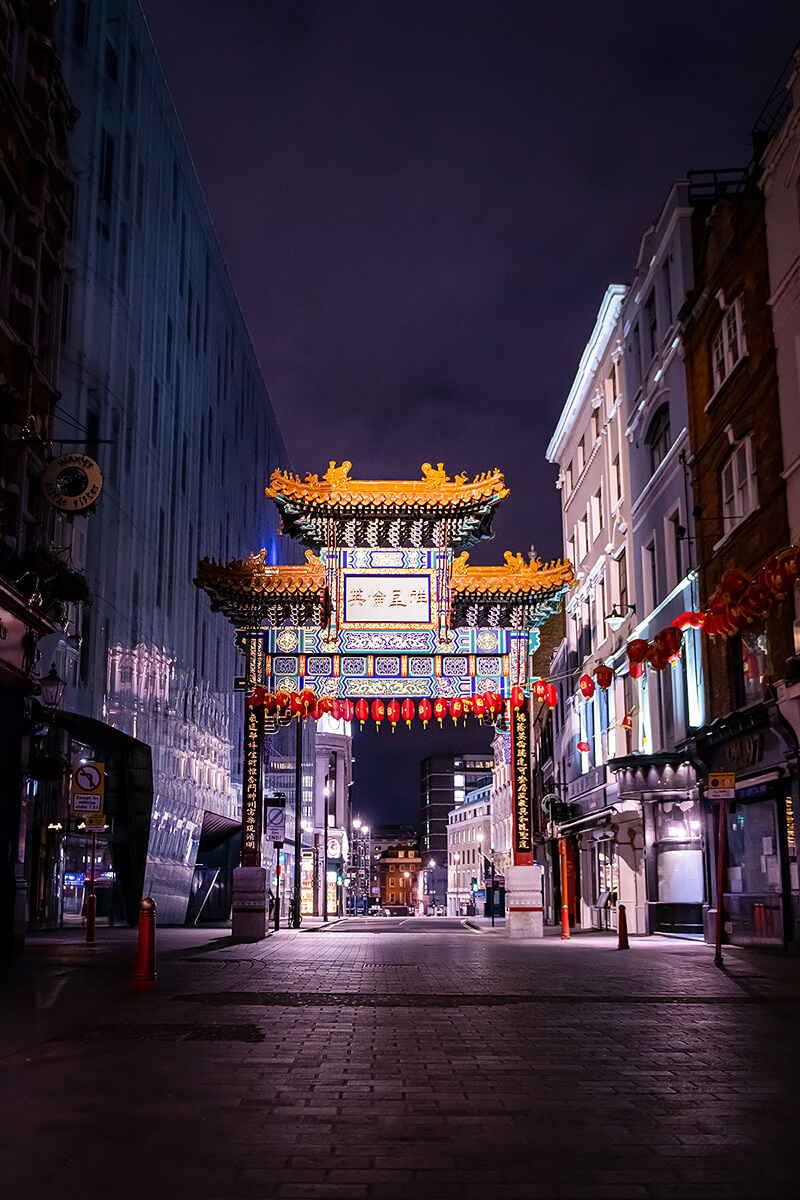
pixel 386 608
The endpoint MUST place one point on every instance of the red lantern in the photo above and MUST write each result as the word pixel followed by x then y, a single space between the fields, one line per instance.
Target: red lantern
pixel 440 710
pixel 407 710
pixel 627 721
pixel 336 708
pixel 584 747
pixel 636 670
pixel 256 698
pixel 270 702
pixel 586 685
pixel 425 712
pixel 551 695
pixel 791 562
pixel 326 704
pixel 378 712
pixel 456 708
pixel 493 704
pixel 362 710
pixel 636 650
pixel 604 676
pixel 656 657
pixel 317 712
pixel 775 578
pixel 517 698
pixel 307 700
pixel 393 713
pixel 539 689
pixel 295 704
pixel 348 710
pixel 478 705
pixel 690 620
pixel 282 699
pixel 668 641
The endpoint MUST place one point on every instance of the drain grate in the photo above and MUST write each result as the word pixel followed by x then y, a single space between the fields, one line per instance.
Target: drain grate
pixel 127 1031
pixel 424 1000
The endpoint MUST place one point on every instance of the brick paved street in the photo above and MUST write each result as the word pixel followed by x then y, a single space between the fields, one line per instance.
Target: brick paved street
pixel 429 1061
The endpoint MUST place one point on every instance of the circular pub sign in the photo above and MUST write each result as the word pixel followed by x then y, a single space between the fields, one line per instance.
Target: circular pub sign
pixel 72 482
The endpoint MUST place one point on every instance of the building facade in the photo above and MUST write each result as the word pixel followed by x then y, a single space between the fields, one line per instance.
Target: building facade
pixel 598 860
pixel 161 386
pixel 469 834
pixel 740 493
pixel 445 780
pixel 37 116
pixel 398 870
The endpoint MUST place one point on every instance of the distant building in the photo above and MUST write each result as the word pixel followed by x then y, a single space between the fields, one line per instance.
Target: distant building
pixel 398 868
pixel 161 384
pixel 445 780
pixel 469 833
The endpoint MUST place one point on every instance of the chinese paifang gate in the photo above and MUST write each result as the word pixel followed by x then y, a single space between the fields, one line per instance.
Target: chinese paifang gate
pixel 386 610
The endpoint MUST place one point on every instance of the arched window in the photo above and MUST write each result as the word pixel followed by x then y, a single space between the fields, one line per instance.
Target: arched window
pixel 658 438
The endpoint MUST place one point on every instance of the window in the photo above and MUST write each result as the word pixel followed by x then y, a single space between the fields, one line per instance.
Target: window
pixel 597 513
pixel 750 660
pixel 581 454
pixel 658 437
pixel 738 485
pixel 568 479
pixel 622 580
pixel 667 288
pixel 111 63
pixel 616 479
pixel 649 578
pixel 727 346
pixel 106 166
pixel 649 339
pixel 583 541
pixel 675 535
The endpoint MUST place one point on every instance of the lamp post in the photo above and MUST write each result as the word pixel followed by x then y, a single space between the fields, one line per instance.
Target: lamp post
pixel 357 850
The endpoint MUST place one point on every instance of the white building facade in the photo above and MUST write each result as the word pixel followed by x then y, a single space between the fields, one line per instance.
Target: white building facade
pixel 469 832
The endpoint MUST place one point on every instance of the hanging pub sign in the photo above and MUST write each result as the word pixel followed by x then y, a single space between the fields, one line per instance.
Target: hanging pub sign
pixel 72 482
pixel 521 794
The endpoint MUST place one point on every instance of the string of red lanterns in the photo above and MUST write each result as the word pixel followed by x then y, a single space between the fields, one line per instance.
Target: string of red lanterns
pixel 306 704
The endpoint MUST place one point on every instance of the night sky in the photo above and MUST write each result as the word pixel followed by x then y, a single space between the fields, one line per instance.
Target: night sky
pixel 421 203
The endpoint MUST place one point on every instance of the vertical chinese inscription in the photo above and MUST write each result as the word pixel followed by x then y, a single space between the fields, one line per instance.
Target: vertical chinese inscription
pixel 253 738
pixel 520 775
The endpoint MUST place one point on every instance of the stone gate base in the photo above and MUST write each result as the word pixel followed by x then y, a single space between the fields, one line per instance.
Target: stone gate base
pixel 249 918
pixel 524 912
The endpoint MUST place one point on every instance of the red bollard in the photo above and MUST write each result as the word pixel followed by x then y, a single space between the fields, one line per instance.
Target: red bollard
pixel 144 977
pixel 622 928
pixel 564 922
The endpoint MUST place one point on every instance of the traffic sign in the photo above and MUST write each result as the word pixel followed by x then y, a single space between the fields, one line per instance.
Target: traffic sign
pixel 87 802
pixel 88 777
pixel 95 821
pixel 276 824
pixel 722 784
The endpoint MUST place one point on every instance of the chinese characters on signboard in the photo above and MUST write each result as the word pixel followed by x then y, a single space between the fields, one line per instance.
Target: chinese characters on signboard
pixel 387 599
pixel 520 739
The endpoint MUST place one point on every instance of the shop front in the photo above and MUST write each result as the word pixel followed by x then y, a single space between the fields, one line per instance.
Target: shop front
pixel 670 860
pixel 602 852
pixel 758 751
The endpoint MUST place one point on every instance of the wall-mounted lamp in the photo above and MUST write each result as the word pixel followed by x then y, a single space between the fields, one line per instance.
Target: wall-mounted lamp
pixel 618 614
pixel 52 689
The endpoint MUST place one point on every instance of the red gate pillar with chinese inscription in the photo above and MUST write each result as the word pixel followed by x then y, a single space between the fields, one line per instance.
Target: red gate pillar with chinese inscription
pixel 523 879
pixel 249 913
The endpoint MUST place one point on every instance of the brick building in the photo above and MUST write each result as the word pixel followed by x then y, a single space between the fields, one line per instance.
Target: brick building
pixel 739 495
pixel 398 868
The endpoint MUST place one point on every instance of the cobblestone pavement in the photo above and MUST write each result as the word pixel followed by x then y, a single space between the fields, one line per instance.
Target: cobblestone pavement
pixel 349 1064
